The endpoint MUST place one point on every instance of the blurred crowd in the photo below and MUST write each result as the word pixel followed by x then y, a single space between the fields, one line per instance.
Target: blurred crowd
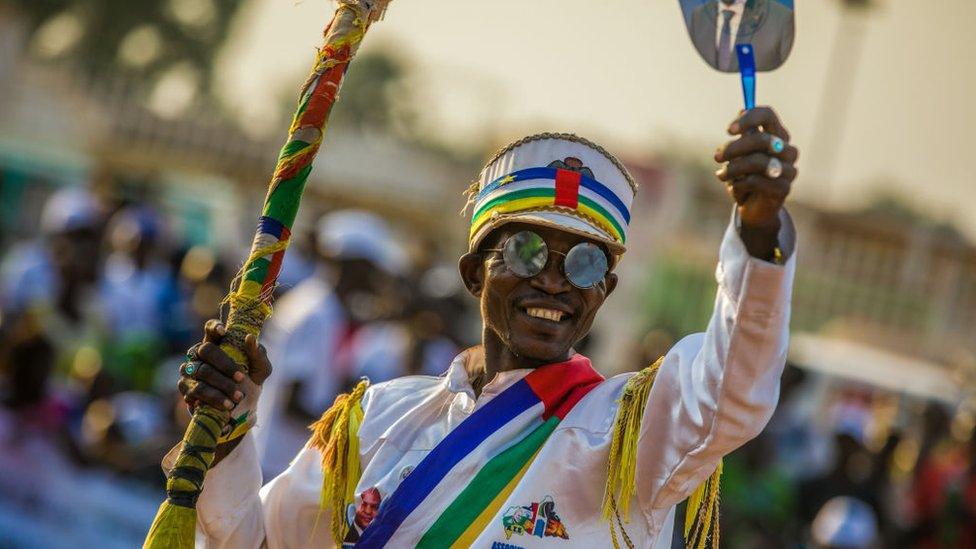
pixel 845 464
pixel 98 309
pixel 851 467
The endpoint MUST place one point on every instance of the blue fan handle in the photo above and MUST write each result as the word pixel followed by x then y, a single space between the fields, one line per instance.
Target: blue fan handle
pixel 747 70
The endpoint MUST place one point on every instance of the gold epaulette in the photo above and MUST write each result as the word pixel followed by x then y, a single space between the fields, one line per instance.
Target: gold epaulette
pixel 701 519
pixel 336 436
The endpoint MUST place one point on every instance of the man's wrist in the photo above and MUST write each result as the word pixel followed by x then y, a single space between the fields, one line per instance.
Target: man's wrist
pixel 224 449
pixel 762 241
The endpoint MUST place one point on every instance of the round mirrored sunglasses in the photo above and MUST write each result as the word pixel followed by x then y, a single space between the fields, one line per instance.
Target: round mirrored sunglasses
pixel 526 254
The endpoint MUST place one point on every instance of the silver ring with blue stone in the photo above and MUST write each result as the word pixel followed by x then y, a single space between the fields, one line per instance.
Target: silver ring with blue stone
pixel 776 144
pixel 192 367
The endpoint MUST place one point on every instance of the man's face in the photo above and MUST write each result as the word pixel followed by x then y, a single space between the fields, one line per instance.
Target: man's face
pixel 74 254
pixel 365 290
pixel 368 508
pixel 506 297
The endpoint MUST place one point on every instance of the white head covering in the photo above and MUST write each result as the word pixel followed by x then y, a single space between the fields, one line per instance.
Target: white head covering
pixel 845 522
pixel 557 180
pixel 69 209
pixel 357 234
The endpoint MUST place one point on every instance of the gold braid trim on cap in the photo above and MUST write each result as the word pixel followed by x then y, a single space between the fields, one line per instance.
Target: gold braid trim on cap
pixel 608 236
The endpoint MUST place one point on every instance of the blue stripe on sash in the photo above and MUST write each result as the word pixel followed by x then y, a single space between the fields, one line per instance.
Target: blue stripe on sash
pixel 449 452
pixel 550 173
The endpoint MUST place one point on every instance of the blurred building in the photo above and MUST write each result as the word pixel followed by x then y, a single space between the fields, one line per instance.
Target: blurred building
pixel 882 296
pixel 61 126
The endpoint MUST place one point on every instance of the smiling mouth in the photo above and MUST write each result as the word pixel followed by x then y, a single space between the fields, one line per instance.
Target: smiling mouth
pixel 546 314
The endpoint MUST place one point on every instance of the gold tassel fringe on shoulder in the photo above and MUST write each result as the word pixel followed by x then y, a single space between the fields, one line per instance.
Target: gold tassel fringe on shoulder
pixel 336 436
pixel 701 520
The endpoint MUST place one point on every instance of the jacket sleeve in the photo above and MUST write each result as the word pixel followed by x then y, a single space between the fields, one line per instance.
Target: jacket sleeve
pixel 229 510
pixel 234 511
pixel 716 390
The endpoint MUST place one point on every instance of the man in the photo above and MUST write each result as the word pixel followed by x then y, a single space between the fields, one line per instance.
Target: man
pixel 49 304
pixel 362 516
pixel 54 274
pixel 717 26
pixel 330 330
pixel 136 292
pixel 521 443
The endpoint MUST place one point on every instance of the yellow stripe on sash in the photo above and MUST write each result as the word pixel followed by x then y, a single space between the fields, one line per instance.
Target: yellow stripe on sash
pixel 478 526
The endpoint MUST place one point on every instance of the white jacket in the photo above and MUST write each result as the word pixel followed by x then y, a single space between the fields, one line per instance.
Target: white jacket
pixel 714 391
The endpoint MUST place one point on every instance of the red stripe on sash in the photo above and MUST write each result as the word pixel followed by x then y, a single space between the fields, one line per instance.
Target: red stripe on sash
pixel 549 383
pixel 567 188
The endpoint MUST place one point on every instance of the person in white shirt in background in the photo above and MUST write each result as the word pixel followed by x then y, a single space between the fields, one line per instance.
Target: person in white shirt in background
pixel 56 270
pixel 136 290
pixel 331 329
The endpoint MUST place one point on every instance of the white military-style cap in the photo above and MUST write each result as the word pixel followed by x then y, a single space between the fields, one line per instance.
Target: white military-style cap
pixel 555 180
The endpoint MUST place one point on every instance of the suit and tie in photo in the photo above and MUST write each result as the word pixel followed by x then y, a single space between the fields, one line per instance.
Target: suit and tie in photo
pixel 716 26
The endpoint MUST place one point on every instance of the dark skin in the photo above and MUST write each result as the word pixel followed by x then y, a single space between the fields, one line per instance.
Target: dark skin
pixel 513 340
pixel 758 198
pixel 220 382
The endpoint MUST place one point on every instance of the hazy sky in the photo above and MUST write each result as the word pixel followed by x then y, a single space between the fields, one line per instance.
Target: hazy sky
pixel 624 73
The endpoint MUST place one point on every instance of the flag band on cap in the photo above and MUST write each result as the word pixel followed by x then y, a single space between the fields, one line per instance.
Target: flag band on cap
pixel 546 189
pixel 556 180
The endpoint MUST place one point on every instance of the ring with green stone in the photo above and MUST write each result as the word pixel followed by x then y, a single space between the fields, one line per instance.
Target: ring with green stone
pixel 190 368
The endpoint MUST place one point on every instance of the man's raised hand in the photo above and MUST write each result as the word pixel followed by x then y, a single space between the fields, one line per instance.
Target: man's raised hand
pixel 213 378
pixel 758 171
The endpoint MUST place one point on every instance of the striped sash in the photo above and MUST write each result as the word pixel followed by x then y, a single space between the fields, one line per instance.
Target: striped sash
pixel 504 437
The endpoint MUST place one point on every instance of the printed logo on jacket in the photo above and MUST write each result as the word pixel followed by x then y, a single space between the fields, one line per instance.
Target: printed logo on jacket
pixel 538 519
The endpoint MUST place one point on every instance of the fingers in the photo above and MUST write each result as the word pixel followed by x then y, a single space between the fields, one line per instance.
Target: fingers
pixel 208 385
pixel 198 392
pixel 751 143
pixel 209 375
pixel 184 387
pixel 755 163
pixel 216 381
pixel 775 190
pixel 214 331
pixel 214 356
pixel 759 118
pixel 257 356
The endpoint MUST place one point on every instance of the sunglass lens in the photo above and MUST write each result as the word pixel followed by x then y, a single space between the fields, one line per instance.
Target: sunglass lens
pixel 586 265
pixel 526 253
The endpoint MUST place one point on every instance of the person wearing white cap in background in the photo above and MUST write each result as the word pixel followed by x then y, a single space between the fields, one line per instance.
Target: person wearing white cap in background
pixel 845 523
pixel 50 306
pixel 136 291
pixel 329 330
pixel 40 272
pixel 522 443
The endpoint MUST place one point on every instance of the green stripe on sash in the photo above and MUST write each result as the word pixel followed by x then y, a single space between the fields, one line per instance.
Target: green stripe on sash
pixel 484 487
